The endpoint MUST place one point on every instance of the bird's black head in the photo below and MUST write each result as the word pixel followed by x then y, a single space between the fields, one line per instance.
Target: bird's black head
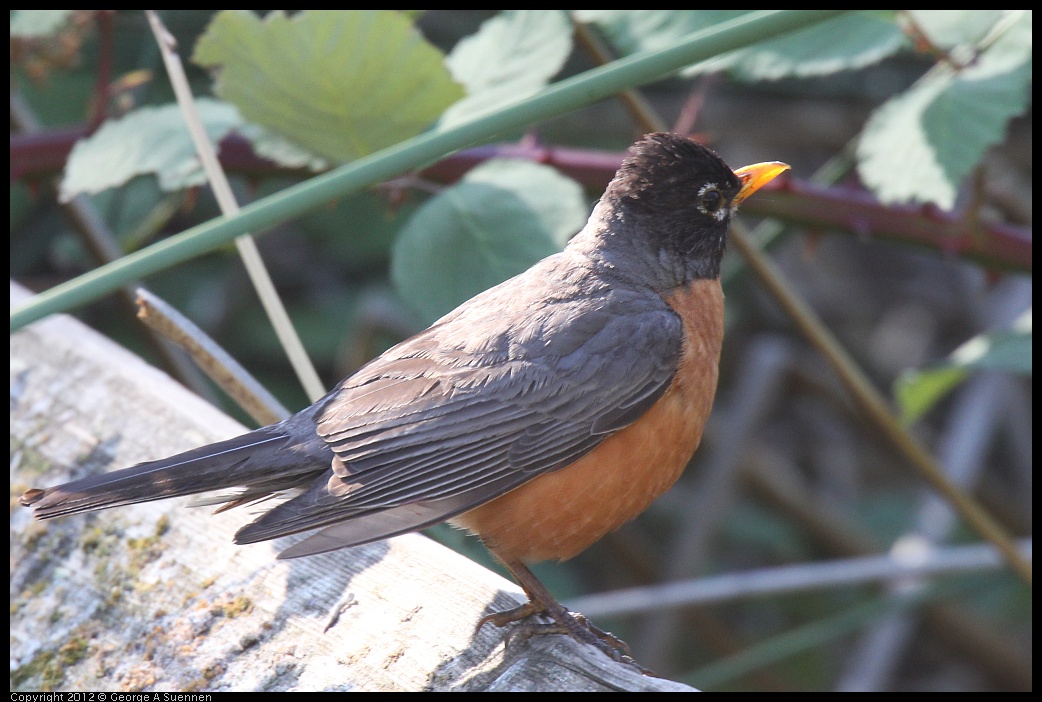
pixel 667 175
pixel 673 198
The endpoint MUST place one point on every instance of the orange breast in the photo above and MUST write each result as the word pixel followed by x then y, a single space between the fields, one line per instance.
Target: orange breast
pixel 558 515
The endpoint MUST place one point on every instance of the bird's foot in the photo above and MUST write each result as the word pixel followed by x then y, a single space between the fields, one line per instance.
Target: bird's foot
pixel 509 616
pixel 563 622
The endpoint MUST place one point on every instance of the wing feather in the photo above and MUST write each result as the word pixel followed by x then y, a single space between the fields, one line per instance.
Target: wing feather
pixel 480 403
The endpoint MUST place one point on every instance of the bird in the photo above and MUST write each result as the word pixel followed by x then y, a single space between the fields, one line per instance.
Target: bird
pixel 540 415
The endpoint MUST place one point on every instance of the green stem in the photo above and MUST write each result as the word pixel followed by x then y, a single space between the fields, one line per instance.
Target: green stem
pixel 419 151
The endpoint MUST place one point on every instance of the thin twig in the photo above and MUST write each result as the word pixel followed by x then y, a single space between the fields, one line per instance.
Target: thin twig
pixel 211 358
pixel 914 561
pixel 974 420
pixel 225 198
pixel 870 400
pixel 106 48
pixel 836 532
pixel 634 100
pixel 101 244
pixel 998 245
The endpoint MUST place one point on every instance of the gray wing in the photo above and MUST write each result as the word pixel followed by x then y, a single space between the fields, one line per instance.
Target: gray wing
pixel 474 407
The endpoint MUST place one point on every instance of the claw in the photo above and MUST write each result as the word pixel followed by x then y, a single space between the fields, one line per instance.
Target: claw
pixel 541 603
pixel 605 636
pixel 571 624
pixel 509 616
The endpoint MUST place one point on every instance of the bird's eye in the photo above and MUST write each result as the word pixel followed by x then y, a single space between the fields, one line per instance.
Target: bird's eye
pixel 711 201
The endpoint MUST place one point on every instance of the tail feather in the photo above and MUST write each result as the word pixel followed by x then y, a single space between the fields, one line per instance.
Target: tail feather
pixel 256 461
pixel 372 526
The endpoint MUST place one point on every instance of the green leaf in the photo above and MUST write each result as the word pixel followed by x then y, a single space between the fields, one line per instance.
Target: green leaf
pixel 511 57
pixel 947 29
pixel 1008 350
pixel 558 201
pixel 38 24
pixel 495 223
pixel 631 31
pixel 920 145
pixel 845 43
pixel 917 391
pixel 149 140
pixel 341 83
pixel 281 150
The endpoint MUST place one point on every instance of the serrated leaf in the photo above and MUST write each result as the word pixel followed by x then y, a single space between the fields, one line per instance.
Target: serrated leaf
pixel 844 43
pixel 896 158
pixel 149 140
pixel 341 84
pixel 920 145
pixel 1009 350
pixel 509 58
pixel 496 222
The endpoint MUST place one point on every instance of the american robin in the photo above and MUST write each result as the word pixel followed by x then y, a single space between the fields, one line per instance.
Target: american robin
pixel 539 415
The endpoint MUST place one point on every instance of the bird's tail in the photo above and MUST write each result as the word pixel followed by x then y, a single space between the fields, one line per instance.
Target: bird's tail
pixel 263 462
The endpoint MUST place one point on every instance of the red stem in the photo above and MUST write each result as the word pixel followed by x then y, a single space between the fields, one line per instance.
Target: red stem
pixel 1002 246
pixel 100 101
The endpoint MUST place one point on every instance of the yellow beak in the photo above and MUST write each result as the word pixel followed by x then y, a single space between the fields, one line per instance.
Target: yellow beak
pixel 756 176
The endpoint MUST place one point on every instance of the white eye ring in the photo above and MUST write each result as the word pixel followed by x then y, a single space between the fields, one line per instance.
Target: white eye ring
pixel 719 214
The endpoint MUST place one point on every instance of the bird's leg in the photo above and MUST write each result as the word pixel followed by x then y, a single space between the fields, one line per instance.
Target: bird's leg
pixel 540 601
